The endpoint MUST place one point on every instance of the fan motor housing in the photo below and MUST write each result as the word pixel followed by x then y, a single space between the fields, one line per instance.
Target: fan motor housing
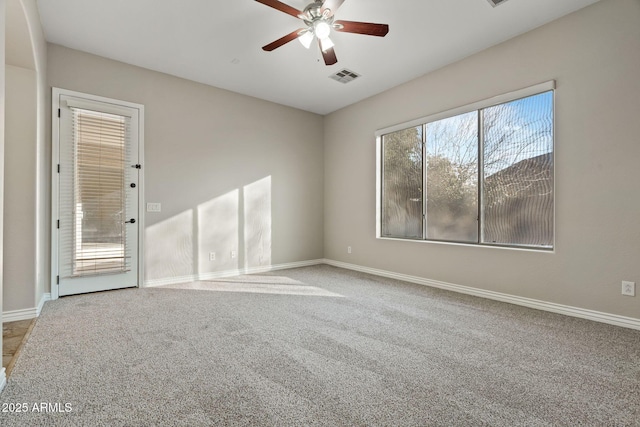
pixel 312 13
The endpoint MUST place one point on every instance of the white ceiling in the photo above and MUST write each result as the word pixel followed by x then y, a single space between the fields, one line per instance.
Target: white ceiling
pixel 219 42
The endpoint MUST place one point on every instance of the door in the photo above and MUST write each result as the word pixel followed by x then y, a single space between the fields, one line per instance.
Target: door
pixel 97 195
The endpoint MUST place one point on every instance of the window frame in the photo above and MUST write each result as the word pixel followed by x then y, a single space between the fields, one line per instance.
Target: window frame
pixel 476 106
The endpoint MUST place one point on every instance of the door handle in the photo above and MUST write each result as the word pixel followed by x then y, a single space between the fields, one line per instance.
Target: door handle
pixel 132 221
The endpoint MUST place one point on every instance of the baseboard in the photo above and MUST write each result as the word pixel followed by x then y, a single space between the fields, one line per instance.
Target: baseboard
pixel 3 379
pixel 597 316
pixel 169 281
pixel 15 315
pixel 45 297
pixel 229 273
pixel 26 313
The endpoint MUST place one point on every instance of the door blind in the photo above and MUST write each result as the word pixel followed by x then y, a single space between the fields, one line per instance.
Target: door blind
pixel 93 197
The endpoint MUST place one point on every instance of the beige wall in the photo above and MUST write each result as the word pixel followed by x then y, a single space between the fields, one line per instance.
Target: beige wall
pixel 42 162
pixel 26 211
pixel 19 189
pixel 2 111
pixel 594 56
pixel 232 172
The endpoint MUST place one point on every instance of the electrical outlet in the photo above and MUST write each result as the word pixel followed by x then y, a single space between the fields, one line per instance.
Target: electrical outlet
pixel 212 256
pixel 348 249
pixel 233 254
pixel 629 288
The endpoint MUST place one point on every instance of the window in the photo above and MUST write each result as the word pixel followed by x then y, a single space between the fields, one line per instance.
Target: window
pixel 98 234
pixel 482 174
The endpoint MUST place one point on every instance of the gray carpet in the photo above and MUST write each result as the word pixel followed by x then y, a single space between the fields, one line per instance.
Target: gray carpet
pixel 319 346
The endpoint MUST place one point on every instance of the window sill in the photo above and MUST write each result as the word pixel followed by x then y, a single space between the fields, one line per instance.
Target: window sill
pixel 473 245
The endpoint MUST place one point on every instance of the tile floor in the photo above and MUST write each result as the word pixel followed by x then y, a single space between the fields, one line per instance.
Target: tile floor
pixel 13 336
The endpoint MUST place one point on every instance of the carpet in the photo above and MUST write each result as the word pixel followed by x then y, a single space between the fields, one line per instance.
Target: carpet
pixel 317 346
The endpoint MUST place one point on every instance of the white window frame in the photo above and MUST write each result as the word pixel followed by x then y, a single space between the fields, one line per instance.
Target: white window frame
pixel 479 105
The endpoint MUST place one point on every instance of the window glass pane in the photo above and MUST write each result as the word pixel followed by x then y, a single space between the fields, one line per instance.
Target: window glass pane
pixel 402 184
pixel 518 172
pixel 452 177
pixel 99 231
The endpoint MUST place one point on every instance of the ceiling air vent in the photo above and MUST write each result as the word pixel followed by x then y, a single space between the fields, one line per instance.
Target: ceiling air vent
pixel 495 3
pixel 344 76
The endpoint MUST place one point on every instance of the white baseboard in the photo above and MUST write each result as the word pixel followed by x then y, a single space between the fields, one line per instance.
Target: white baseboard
pixel 15 315
pixel 45 297
pixel 597 316
pixel 26 313
pixel 151 283
pixel 3 379
pixel 229 273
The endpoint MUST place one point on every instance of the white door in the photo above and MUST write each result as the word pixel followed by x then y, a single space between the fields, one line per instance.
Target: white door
pixel 97 194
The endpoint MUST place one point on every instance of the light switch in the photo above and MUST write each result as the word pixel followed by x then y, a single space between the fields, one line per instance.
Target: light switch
pixel 153 207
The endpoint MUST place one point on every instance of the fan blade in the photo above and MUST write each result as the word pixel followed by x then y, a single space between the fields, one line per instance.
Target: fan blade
pixel 366 28
pixel 281 7
pixel 329 55
pixel 332 5
pixel 282 40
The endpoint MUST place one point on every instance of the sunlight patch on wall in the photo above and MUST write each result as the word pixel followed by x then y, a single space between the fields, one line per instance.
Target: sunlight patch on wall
pixel 217 230
pixel 229 233
pixel 169 247
pixel 257 223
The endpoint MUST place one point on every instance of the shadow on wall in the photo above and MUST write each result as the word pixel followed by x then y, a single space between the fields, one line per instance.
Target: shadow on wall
pixel 236 226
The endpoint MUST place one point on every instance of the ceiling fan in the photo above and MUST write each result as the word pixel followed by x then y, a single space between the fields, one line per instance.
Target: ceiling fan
pixel 320 20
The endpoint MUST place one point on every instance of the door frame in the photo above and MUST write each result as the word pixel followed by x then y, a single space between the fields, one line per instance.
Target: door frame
pixel 55 178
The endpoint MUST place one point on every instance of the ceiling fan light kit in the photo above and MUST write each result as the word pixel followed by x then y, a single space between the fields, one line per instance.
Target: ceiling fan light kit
pixel 321 29
pixel 305 37
pixel 319 19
